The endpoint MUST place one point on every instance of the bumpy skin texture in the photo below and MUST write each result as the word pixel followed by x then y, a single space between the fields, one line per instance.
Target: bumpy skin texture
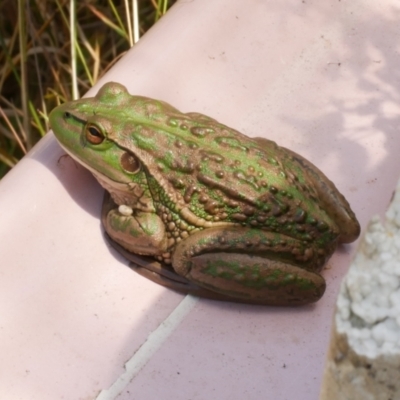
pixel 210 210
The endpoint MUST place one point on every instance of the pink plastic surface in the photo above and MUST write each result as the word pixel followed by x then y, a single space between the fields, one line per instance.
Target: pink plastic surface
pixel 321 78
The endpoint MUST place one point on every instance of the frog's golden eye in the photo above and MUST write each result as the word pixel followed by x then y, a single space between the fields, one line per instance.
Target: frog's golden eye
pixel 93 134
pixel 130 163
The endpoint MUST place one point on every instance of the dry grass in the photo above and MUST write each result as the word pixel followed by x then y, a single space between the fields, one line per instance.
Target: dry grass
pixel 39 68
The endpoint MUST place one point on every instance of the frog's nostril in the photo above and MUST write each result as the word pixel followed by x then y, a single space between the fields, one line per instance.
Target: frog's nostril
pixel 67 114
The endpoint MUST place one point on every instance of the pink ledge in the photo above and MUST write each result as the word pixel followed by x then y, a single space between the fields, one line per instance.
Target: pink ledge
pixel 318 77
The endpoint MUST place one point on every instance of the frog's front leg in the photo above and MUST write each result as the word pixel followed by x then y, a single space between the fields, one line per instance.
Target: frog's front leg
pixel 139 232
pixel 252 266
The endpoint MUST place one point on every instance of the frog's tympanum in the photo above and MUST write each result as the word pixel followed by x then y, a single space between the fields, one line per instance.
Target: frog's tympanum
pixel 202 208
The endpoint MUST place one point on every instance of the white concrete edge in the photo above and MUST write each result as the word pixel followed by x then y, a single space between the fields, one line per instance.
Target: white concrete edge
pixel 154 341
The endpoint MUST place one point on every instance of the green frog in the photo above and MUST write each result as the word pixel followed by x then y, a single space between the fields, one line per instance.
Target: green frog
pixel 201 208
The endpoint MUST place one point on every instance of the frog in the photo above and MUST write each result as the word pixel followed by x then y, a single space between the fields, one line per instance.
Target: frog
pixel 201 208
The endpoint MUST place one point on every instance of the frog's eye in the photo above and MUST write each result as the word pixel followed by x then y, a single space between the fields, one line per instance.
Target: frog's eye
pixel 93 134
pixel 130 163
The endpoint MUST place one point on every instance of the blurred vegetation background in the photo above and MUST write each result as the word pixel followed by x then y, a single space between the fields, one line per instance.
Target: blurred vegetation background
pixel 52 51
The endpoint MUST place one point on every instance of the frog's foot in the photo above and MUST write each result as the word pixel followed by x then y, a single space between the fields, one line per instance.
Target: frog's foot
pixel 237 265
pixel 122 225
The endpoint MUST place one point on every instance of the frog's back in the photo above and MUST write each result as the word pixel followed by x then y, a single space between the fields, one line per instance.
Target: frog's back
pixel 221 175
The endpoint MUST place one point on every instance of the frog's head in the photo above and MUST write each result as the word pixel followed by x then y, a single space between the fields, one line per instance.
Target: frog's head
pixel 117 137
pixel 84 129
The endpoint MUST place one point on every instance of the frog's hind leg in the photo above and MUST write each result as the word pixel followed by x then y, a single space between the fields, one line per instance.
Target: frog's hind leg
pixel 251 266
